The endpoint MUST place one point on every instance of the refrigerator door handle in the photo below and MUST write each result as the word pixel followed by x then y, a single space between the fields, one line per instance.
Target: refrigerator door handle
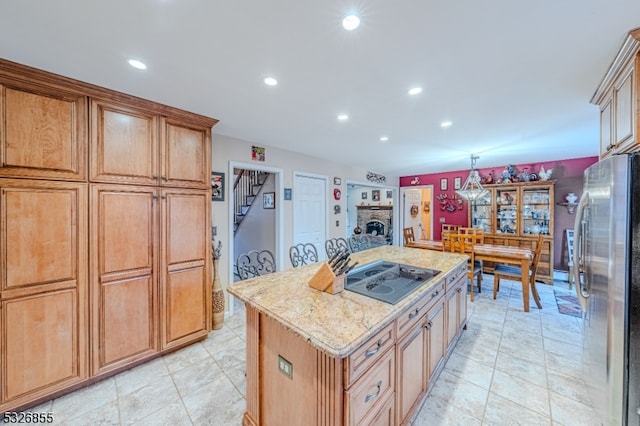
pixel 579 249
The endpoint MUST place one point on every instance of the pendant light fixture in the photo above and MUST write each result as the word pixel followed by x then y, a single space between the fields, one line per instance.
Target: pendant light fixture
pixel 472 190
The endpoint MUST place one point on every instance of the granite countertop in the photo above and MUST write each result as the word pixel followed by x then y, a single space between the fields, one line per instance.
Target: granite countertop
pixel 337 324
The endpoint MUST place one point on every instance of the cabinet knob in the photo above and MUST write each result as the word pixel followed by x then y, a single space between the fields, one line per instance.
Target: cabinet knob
pixel 164 178
pixel 414 313
pixel 428 325
pixel 154 177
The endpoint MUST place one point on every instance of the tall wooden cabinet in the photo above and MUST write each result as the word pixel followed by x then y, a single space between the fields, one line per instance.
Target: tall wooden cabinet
pixel 619 100
pixel 514 215
pixel 105 238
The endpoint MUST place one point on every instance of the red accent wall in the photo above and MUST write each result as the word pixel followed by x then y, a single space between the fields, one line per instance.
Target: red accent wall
pixel 568 175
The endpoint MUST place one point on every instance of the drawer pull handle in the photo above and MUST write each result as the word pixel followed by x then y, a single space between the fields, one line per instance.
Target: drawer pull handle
pixel 375 350
pixel 435 294
pixel 414 313
pixel 374 395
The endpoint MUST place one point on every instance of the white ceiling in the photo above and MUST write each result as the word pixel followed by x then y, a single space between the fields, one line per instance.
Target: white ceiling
pixel 515 77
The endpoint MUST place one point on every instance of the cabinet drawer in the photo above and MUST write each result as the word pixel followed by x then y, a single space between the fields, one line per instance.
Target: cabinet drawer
pixel 368 353
pixel 371 391
pixel 452 280
pixel 411 315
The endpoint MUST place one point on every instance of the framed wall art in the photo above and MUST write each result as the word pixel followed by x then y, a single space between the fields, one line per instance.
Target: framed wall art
pixel 443 184
pixel 375 195
pixel 287 193
pixel 217 186
pixel 457 183
pixel 269 200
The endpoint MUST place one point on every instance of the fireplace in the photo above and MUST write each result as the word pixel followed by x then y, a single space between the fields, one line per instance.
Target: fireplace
pixel 375 227
pixel 375 220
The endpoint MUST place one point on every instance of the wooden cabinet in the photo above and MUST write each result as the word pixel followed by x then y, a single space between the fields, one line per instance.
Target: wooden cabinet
pixel 456 308
pixel 514 215
pixel 185 281
pixel 43 292
pixel 135 144
pixel 412 363
pixel 420 353
pixel 124 296
pixel 79 301
pixel 619 100
pixel 43 131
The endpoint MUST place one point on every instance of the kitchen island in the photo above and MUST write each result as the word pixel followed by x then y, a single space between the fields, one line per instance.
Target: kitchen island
pixel 348 359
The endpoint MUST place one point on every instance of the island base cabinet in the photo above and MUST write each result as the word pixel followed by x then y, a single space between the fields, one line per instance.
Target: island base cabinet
pixel 382 380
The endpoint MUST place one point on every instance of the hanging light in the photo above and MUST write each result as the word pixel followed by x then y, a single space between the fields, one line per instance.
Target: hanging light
pixel 472 190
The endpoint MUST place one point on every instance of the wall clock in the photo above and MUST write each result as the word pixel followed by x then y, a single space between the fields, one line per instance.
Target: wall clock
pixel 337 194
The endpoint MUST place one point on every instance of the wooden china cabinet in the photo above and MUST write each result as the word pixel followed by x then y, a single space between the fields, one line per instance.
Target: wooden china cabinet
pixel 105 238
pixel 515 214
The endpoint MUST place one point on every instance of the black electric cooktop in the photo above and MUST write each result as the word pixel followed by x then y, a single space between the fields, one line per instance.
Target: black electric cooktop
pixel 387 281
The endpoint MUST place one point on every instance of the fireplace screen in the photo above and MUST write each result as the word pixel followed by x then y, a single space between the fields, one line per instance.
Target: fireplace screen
pixel 375 227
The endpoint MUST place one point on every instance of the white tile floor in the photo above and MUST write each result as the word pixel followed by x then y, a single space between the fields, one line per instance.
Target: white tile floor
pixel 508 368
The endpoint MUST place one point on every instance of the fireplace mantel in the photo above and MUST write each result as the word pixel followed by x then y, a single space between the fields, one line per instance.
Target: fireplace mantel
pixel 375 207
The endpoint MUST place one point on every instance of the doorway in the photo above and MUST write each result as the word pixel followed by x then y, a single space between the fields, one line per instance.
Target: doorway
pixel 310 212
pixel 265 222
pixel 417 203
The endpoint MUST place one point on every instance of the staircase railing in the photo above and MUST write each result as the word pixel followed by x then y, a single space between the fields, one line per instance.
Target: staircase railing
pixel 246 187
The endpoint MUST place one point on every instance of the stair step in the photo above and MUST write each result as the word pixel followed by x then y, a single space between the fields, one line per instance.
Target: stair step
pixel 249 199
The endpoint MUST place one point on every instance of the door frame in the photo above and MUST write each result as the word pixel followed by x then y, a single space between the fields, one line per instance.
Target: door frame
pixel 403 193
pixel 395 222
pixel 278 175
pixel 325 178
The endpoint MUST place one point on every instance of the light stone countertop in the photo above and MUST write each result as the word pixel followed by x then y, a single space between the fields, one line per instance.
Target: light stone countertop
pixel 337 324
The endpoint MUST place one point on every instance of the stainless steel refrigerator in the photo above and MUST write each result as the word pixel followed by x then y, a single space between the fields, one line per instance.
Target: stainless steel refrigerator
pixel 607 259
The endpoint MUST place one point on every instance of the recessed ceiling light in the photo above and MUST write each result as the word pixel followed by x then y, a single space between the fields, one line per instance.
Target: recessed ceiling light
pixel 137 64
pixel 351 22
pixel 384 138
pixel 446 124
pixel 343 117
pixel 270 81
pixel 415 90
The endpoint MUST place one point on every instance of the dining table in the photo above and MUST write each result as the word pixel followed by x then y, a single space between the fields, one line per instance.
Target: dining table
pixel 509 255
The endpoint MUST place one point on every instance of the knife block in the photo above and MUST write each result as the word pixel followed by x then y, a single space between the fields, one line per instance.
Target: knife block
pixel 325 280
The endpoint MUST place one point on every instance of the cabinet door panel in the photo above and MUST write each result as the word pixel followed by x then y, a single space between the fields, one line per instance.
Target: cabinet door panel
pixel 42 343
pixel 124 144
pixel 43 132
pixel 185 153
pixel 436 339
pixel 126 320
pixel 624 108
pixel 123 277
pixel 605 127
pixel 452 315
pixel 184 308
pixel 44 234
pixel 412 362
pixel 185 268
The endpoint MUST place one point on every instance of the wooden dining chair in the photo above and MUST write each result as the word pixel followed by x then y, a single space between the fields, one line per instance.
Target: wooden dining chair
pixel 303 254
pixel 510 272
pixel 448 227
pixel 463 244
pixel 408 235
pixel 474 231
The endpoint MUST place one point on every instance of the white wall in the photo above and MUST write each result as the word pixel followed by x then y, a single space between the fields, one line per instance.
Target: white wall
pixel 227 150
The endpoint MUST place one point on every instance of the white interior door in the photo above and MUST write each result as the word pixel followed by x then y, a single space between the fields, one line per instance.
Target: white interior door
pixel 412 211
pixel 309 212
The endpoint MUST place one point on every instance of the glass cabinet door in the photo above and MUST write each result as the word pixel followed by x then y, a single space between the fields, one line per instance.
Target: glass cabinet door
pixel 482 213
pixel 506 211
pixel 536 211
